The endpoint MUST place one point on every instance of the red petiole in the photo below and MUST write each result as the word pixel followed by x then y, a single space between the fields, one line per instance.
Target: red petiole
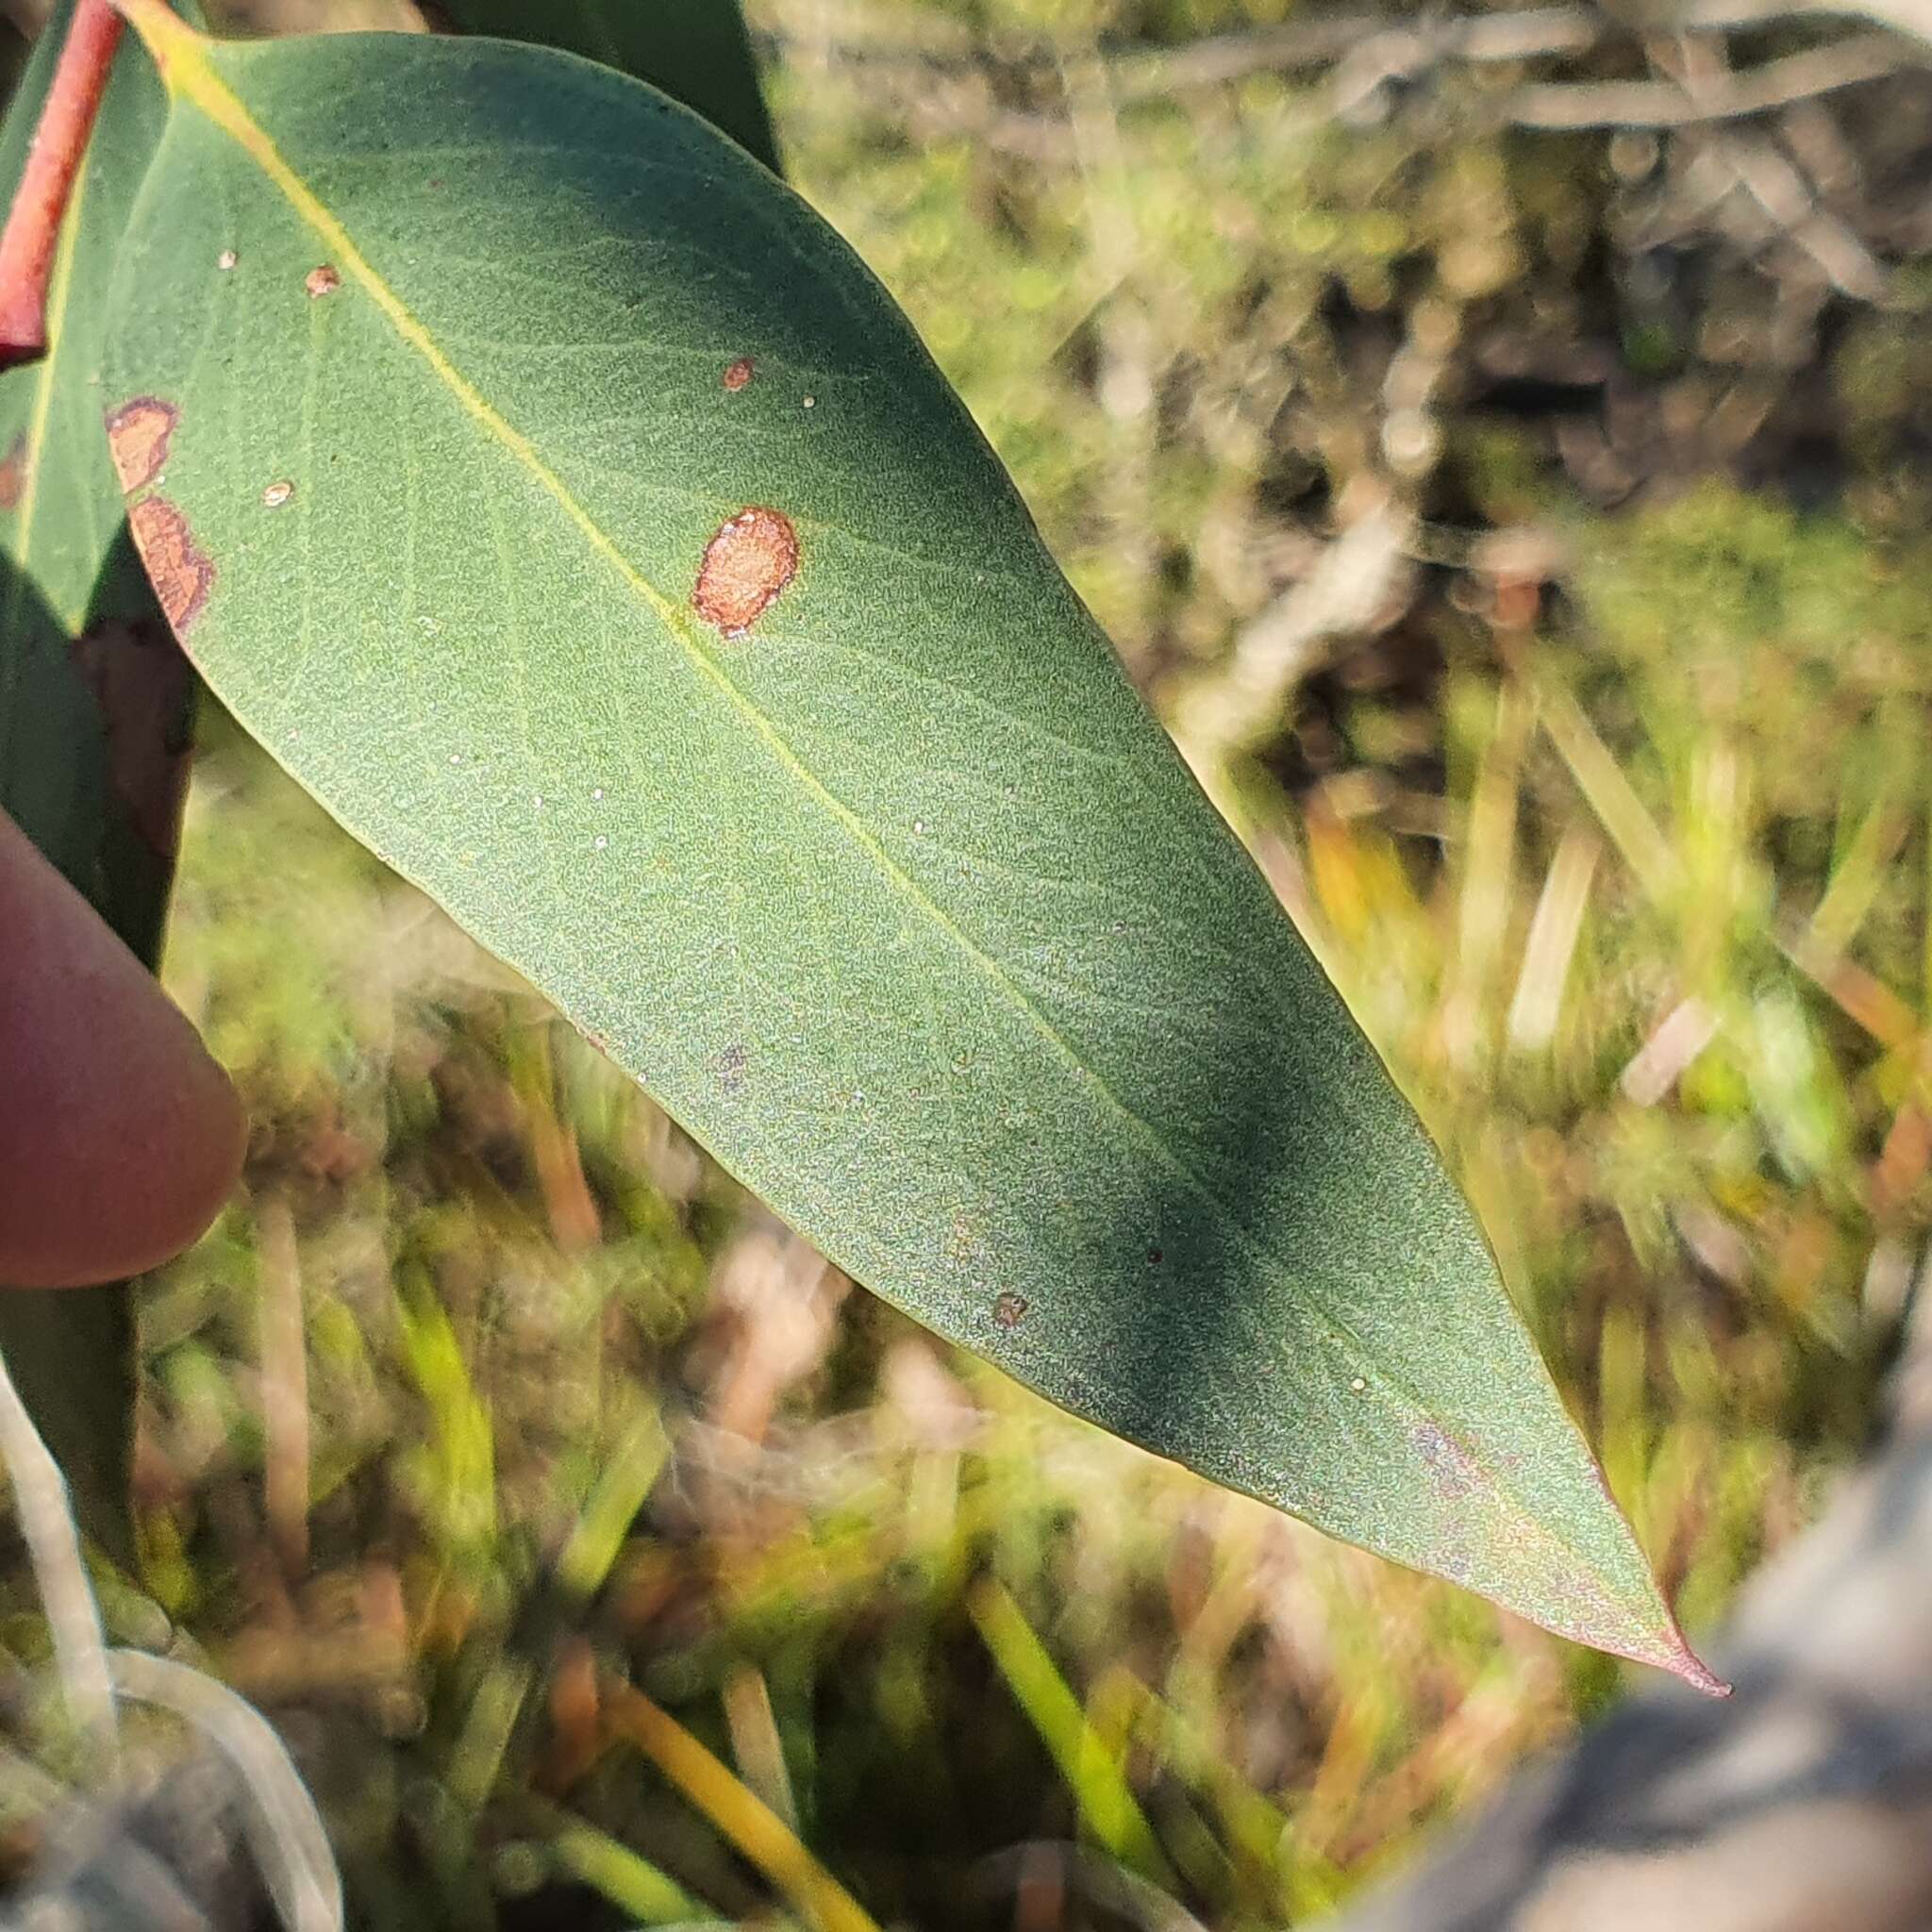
pixel 53 163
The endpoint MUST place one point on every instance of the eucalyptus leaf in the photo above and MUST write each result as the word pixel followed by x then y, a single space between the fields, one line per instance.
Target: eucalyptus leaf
pixel 698 51
pixel 95 713
pixel 566 506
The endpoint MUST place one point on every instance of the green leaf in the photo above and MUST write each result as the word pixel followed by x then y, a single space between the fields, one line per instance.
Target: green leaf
pixel 488 466
pixel 95 713
pixel 698 51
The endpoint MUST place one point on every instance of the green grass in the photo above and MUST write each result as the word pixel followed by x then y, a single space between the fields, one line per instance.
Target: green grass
pixel 926 1618
pixel 489 1396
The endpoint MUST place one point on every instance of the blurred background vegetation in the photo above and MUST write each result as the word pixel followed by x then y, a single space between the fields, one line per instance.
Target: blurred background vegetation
pixel 1496 441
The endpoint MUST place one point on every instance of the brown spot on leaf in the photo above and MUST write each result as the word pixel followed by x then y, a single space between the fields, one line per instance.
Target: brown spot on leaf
pixel 731 1065
pixel 180 574
pixel 137 434
pixel 1009 1311
pixel 13 473
pixel 322 281
pixel 740 373
pixel 142 685
pixel 278 493
pixel 746 565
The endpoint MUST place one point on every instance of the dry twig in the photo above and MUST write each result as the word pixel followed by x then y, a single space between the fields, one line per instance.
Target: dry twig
pixel 1780 83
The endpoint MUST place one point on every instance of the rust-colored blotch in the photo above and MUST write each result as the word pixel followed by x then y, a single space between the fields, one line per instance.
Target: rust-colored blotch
pixel 13 473
pixel 740 373
pixel 322 281
pixel 137 434
pixel 746 565
pixel 180 574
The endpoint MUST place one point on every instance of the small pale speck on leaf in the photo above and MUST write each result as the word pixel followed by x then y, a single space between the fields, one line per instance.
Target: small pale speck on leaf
pixel 736 374
pixel 811 402
pixel 597 792
pixel 746 567
pixel 138 435
pixel 322 281
pixel 1358 1384
pixel 1009 1311
pixel 276 494
pixel 227 259
pixel 600 842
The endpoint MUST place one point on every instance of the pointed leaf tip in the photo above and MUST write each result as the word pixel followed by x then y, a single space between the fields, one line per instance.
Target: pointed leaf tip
pixel 748 718
pixel 1683 1663
pixel 1664 1649
pixel 1700 1677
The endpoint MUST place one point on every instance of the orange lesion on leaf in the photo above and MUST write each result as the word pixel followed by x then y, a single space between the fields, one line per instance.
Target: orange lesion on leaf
pixel 13 473
pixel 137 434
pixel 746 566
pixel 180 573
pixel 740 373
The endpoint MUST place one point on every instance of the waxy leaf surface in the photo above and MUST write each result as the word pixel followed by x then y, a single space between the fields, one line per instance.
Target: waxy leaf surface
pixel 562 503
pixel 95 702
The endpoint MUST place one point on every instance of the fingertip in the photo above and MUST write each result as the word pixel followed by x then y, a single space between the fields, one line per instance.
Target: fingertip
pixel 119 1137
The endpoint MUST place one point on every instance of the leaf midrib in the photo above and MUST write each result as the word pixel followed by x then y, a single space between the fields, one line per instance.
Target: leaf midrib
pixel 225 108
pixel 189 73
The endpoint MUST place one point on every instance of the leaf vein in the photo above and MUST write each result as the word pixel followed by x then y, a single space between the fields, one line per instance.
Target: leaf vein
pixel 195 78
